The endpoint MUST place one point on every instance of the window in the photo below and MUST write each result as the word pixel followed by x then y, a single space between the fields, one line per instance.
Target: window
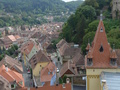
pixel 89 61
pixel 101 49
pixel 113 62
pixel 101 30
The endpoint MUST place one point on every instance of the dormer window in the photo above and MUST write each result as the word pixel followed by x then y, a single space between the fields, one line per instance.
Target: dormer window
pixel 101 49
pixel 89 61
pixel 101 30
pixel 113 62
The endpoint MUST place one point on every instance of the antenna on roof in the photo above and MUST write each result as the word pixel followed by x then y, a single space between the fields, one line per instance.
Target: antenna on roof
pixel 101 16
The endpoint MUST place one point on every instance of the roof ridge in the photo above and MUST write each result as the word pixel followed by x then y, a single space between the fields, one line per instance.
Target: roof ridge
pixel 10 74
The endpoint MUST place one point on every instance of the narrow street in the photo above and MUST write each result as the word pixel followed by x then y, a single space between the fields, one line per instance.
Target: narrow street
pixel 58 65
pixel 27 77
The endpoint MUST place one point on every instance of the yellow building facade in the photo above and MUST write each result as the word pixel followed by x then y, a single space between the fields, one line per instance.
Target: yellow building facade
pixel 93 78
pixel 38 67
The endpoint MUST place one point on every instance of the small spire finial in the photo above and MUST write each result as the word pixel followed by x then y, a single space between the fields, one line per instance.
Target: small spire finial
pixel 113 47
pixel 101 15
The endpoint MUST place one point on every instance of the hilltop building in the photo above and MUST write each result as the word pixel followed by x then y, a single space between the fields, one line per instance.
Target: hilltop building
pixel 116 9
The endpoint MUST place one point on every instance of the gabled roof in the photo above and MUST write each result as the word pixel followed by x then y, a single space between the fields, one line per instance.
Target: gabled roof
pixel 17 37
pixel 36 34
pixel 11 75
pixel 88 47
pixel 12 63
pixel 27 47
pixel 113 54
pixel 39 57
pixel 51 69
pixel 78 59
pixel 100 59
pixel 61 42
pixel 11 37
pixel 67 50
pixel 70 67
pixel 6 40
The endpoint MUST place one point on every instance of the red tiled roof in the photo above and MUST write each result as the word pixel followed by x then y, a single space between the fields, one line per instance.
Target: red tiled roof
pixel 12 63
pixel 67 68
pixel 88 46
pixel 39 57
pixel 61 42
pixel 113 54
pixel 100 59
pixel 11 37
pixel 27 47
pixel 44 76
pixel 17 37
pixel 11 75
pixel 59 87
pixel 78 59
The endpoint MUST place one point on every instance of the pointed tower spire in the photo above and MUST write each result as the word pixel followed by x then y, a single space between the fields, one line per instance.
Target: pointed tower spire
pixel 101 16
pixel 100 51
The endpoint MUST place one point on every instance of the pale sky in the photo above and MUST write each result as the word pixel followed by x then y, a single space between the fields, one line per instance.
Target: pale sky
pixel 70 0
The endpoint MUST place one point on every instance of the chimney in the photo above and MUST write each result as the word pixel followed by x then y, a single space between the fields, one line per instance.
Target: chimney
pixel 6 67
pixel 63 85
pixel 67 80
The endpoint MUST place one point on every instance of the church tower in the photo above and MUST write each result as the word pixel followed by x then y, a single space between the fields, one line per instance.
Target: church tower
pixel 100 58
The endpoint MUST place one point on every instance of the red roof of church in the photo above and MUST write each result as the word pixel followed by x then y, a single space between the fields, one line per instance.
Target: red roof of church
pixel 100 59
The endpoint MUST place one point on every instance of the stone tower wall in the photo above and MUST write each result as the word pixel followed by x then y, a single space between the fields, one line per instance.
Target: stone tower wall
pixel 116 9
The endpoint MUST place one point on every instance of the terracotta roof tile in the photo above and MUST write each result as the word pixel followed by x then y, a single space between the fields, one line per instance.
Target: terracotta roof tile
pixel 78 59
pixel 100 59
pixel 39 57
pixel 113 54
pixel 67 50
pixel 59 87
pixel 61 42
pixel 12 38
pixel 44 76
pixel 12 63
pixel 88 47
pixel 27 47
pixel 17 37
pixel 68 66
pixel 11 76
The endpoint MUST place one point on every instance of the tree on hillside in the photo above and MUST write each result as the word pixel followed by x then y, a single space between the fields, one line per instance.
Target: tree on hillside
pixel 92 3
pixel 88 38
pixel 80 30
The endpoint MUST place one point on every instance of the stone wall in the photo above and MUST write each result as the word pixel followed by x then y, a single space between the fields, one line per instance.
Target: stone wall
pixel 116 9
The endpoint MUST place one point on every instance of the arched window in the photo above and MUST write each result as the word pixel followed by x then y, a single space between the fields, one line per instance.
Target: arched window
pixel 101 49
